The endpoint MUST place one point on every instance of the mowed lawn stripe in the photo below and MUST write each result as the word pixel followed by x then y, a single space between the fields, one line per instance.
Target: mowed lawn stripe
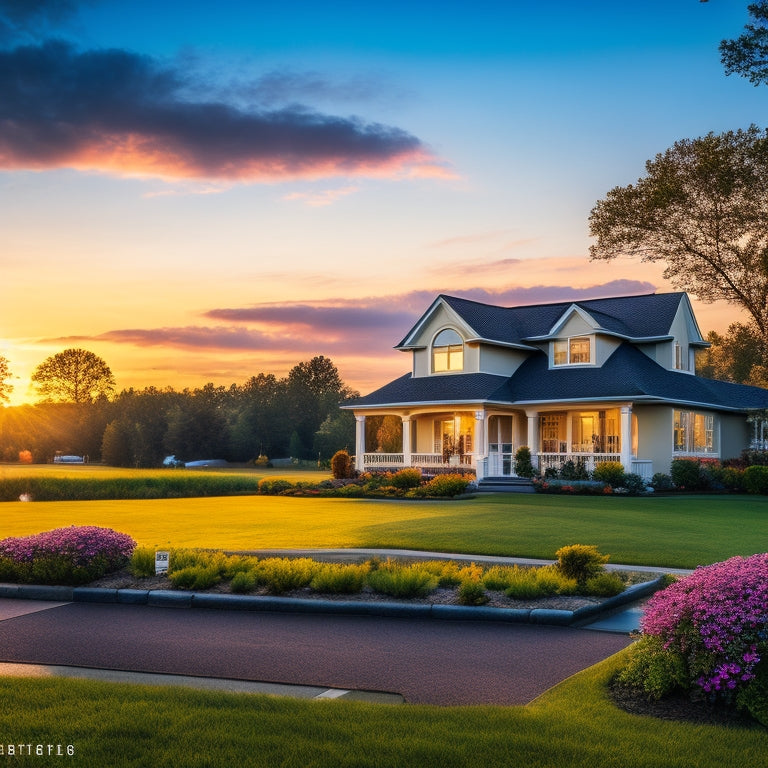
pixel 674 531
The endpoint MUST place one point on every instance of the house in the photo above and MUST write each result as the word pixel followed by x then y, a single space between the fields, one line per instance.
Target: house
pixel 601 380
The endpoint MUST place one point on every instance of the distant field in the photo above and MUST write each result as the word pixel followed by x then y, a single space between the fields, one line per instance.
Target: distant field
pixel 98 471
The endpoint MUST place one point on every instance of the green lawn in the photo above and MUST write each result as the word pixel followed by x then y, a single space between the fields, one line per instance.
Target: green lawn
pixel 683 531
pixel 571 726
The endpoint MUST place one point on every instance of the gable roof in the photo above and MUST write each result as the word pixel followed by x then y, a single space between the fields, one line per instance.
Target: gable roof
pixel 628 374
pixel 639 318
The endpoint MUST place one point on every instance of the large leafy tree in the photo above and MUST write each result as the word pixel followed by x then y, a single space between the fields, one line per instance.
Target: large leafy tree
pixel 5 374
pixel 73 376
pixel 702 209
pixel 747 55
pixel 733 356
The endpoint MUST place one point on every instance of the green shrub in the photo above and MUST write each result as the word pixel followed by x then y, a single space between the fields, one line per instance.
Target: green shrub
pixel 195 577
pixel 498 577
pixel 284 574
pixel 574 470
pixel 580 561
pixel 274 487
pixel 443 486
pixel 609 472
pixel 634 484
pixel 402 580
pixel 662 482
pixel 243 581
pixel 523 463
pixel 142 563
pixel 472 592
pixel 338 578
pixel 524 585
pixel 406 478
pixel 756 479
pixel 653 668
pixel 688 475
pixel 754 698
pixel 604 585
pixel 341 465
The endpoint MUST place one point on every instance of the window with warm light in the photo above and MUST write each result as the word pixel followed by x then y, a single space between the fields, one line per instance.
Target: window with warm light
pixel 447 352
pixel 573 351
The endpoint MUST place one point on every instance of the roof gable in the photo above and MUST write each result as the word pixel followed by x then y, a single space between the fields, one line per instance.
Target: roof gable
pixel 644 317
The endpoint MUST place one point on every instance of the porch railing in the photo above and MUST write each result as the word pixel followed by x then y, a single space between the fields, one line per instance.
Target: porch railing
pixel 588 460
pixel 397 460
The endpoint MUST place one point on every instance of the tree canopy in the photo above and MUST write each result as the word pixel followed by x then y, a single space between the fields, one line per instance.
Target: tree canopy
pixel 73 376
pixel 747 55
pixel 5 374
pixel 702 208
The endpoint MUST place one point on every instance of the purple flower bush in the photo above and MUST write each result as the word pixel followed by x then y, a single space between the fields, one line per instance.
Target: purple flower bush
pixel 73 555
pixel 716 619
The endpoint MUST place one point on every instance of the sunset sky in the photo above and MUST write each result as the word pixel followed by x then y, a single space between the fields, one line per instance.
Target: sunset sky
pixel 200 192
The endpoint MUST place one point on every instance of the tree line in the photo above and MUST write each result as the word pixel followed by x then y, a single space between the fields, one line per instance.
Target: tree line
pixel 295 416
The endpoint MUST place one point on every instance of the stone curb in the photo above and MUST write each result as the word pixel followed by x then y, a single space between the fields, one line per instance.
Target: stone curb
pixel 163 598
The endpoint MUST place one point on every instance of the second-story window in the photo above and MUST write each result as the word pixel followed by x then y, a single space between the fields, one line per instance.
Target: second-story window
pixel 447 352
pixel 574 351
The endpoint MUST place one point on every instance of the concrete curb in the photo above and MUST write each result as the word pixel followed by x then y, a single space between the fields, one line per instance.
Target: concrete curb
pixel 162 598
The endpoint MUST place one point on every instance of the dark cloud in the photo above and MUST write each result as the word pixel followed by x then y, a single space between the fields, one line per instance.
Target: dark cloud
pixel 119 112
pixel 31 19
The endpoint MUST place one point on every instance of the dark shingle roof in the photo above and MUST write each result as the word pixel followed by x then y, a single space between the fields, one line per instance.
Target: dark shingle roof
pixel 627 375
pixel 637 317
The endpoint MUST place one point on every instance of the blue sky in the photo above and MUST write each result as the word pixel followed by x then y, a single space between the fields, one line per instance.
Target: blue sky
pixel 205 191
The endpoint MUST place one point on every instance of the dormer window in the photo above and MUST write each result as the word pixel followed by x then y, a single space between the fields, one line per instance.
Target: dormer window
pixel 447 352
pixel 576 350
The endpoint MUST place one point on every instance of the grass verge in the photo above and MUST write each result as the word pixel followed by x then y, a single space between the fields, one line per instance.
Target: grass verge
pixel 572 725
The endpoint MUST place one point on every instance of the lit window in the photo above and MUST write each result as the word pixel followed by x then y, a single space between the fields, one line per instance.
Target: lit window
pixel 681 358
pixel 447 352
pixel 575 351
pixel 694 432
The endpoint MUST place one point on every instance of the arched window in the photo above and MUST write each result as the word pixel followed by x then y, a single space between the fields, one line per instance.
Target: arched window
pixel 447 352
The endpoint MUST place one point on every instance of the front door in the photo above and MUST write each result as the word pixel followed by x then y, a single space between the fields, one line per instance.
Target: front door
pixel 501 458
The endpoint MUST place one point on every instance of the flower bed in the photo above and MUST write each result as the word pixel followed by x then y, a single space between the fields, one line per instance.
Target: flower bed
pixel 708 634
pixel 73 555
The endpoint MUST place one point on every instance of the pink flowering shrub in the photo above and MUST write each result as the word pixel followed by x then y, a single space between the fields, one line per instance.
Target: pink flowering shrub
pixel 710 628
pixel 74 555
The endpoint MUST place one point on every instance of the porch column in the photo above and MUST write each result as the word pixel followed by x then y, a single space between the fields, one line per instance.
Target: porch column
pixel 533 437
pixel 626 437
pixel 406 441
pixel 359 443
pixel 481 449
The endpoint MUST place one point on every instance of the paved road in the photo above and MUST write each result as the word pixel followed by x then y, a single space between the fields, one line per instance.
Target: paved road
pixel 427 661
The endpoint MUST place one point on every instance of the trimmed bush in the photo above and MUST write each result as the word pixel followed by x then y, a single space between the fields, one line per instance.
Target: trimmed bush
pixel 341 465
pixel 604 585
pixel 609 472
pixel 340 579
pixel 274 487
pixel 654 668
pixel 441 485
pixel 74 555
pixel 688 475
pixel 756 479
pixel 402 580
pixel 405 479
pixel 662 482
pixel 580 562
pixel 472 592
pixel 633 484
pixel 142 563
pixel 523 463
pixel 195 577
pixel 243 581
pixel 284 574
pixel 717 620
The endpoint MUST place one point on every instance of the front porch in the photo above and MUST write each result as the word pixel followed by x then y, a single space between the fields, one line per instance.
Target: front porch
pixel 485 441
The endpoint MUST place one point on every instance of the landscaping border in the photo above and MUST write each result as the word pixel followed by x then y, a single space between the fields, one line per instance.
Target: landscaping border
pixel 168 598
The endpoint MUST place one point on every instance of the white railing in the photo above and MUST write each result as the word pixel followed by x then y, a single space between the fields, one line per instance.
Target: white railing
pixel 644 468
pixel 588 460
pixel 421 460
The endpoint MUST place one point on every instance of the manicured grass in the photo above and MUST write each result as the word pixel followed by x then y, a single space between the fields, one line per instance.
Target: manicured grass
pixel 573 725
pixel 673 531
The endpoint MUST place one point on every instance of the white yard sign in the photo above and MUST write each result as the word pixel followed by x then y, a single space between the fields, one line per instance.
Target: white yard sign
pixel 161 562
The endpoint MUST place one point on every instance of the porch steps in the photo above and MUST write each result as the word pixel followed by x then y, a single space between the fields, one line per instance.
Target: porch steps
pixel 505 485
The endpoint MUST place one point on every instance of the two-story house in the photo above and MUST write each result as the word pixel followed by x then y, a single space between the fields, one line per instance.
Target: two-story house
pixel 605 379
